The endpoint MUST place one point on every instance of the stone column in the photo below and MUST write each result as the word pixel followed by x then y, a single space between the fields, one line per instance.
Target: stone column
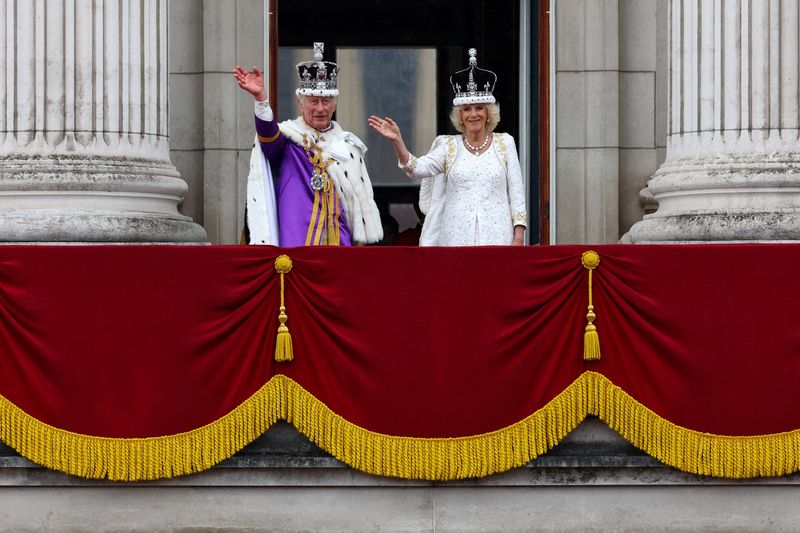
pixel 732 171
pixel 84 148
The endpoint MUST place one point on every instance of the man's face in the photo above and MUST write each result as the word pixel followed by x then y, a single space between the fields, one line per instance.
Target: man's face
pixel 317 111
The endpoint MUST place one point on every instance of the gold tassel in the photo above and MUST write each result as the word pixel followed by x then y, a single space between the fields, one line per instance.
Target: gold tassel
pixel 283 344
pixel 591 340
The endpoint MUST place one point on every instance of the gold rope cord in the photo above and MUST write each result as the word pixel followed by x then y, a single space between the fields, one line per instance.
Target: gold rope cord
pixel 324 212
pixel 591 340
pixel 314 214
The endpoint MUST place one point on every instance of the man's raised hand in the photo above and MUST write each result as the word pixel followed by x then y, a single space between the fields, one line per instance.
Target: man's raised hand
pixel 252 82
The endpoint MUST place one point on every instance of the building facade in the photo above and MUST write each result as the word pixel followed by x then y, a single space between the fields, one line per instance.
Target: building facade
pixel 633 89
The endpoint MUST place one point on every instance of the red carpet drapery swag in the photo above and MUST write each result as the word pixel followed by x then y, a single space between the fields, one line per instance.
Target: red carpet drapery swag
pixel 442 363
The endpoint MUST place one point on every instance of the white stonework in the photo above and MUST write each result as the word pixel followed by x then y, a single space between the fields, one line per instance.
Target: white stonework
pixel 84 149
pixel 733 159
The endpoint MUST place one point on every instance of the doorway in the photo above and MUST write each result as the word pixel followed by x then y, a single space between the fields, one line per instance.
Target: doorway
pixel 404 53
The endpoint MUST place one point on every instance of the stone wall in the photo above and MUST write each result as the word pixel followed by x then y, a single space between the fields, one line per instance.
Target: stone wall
pixel 611 67
pixel 210 118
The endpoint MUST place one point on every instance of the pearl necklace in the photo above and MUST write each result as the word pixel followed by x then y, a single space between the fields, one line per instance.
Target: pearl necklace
pixel 476 149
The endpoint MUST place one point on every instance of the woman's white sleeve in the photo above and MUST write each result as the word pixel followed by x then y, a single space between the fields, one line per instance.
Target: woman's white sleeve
pixel 429 164
pixel 516 188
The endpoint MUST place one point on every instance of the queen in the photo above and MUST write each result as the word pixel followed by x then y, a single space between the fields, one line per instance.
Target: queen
pixel 471 189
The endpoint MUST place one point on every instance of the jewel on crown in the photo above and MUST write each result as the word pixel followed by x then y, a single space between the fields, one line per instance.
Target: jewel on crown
pixel 319 50
pixel 473 85
pixel 317 77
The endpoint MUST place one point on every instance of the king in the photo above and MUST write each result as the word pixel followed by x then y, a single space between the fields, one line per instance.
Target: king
pixel 322 194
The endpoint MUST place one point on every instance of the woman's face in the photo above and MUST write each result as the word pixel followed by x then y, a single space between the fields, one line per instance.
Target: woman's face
pixel 474 117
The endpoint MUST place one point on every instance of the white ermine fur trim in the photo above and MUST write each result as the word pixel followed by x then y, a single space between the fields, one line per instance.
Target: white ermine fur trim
pixel 262 211
pixel 467 100
pixel 317 92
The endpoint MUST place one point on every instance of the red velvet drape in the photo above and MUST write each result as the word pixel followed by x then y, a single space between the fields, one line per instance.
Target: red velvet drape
pixel 439 342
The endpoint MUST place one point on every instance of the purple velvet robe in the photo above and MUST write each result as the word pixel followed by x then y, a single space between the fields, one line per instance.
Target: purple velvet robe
pixel 293 192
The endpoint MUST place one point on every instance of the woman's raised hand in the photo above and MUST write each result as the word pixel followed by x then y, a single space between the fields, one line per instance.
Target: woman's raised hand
pixel 386 127
pixel 252 82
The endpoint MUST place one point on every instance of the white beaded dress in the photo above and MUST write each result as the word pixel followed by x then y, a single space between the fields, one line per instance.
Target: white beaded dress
pixel 482 196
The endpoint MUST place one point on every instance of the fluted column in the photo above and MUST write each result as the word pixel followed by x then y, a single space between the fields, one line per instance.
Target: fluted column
pixel 84 147
pixel 732 171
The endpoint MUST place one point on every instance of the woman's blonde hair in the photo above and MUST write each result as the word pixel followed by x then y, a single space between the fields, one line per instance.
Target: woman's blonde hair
pixel 493 114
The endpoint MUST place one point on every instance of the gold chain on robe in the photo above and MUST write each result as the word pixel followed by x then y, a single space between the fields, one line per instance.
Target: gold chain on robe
pixel 323 225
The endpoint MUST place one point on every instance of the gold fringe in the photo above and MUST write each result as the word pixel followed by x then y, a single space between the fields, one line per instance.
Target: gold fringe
pixel 283 343
pixel 591 340
pixel 692 451
pixel 396 456
pixel 442 458
pixel 282 398
pixel 140 459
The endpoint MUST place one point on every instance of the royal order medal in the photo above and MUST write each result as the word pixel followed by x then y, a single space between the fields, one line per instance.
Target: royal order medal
pixel 317 181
